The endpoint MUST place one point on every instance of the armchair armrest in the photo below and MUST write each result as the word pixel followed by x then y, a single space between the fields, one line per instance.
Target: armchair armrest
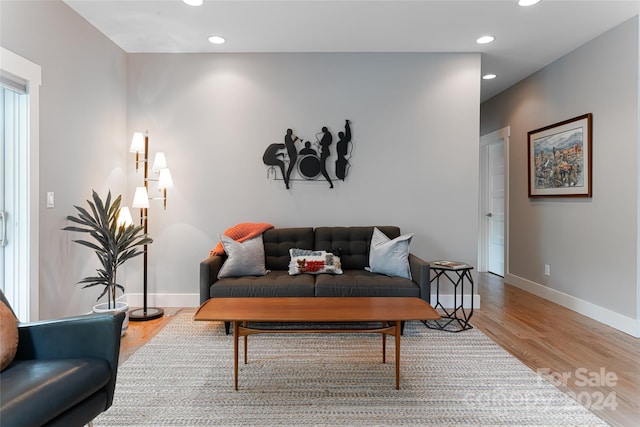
pixel 421 274
pixel 95 336
pixel 89 336
pixel 209 269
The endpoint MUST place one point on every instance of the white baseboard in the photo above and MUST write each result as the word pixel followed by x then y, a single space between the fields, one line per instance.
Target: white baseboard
pixel 164 300
pixel 608 317
pixel 193 300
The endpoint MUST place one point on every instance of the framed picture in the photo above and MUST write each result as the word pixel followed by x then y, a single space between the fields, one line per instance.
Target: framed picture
pixel 560 159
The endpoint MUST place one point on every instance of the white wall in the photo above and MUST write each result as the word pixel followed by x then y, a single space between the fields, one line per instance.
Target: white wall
pixel 82 134
pixel 415 131
pixel 415 120
pixel 590 244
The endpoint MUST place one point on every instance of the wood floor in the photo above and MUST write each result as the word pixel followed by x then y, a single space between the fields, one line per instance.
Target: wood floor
pixel 582 355
pixel 591 362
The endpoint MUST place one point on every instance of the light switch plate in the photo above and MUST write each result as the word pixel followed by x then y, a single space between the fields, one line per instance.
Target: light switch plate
pixel 50 199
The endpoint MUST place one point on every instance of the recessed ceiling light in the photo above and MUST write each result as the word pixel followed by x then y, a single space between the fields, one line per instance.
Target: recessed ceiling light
pixel 193 2
pixel 489 76
pixel 527 2
pixel 485 39
pixel 217 39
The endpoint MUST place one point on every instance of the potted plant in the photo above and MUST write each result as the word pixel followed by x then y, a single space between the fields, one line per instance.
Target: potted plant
pixel 113 242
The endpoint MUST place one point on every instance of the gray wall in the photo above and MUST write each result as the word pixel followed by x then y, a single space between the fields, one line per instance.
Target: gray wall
pixel 415 132
pixel 590 244
pixel 82 134
pixel 415 121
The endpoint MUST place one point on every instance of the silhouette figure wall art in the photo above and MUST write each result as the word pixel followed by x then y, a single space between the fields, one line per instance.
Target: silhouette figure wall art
pixel 305 162
pixel 342 148
pixel 273 156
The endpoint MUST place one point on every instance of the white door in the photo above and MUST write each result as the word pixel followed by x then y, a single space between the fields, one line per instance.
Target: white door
pixel 19 183
pixel 3 213
pixel 495 211
pixel 493 220
pixel 13 223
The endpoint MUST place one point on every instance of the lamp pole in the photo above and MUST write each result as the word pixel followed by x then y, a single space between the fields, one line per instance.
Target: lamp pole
pixel 145 313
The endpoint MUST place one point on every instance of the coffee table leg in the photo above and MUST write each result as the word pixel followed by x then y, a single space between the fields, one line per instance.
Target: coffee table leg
pixel 398 330
pixel 235 354
pixel 245 343
pixel 384 344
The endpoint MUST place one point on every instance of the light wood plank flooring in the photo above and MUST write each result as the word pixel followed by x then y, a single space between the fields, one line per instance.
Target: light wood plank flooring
pixel 558 341
pixel 544 336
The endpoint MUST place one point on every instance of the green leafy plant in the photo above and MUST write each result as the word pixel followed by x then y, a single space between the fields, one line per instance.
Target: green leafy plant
pixel 113 243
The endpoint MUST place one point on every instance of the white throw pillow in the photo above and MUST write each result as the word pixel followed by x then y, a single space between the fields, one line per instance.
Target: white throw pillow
pixel 389 257
pixel 243 259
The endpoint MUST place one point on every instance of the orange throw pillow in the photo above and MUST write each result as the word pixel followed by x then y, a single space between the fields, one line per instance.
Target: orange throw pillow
pixel 8 336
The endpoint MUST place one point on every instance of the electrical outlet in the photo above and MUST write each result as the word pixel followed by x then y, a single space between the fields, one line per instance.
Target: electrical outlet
pixel 547 270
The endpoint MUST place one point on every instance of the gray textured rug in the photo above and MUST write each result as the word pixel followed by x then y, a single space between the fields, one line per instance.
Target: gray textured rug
pixel 184 377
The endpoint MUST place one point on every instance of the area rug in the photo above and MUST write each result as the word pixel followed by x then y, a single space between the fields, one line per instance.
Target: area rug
pixel 184 377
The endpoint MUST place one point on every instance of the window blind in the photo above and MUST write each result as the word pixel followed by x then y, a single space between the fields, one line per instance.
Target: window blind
pixel 13 82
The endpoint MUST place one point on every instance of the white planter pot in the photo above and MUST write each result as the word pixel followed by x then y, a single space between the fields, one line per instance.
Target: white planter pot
pixel 120 307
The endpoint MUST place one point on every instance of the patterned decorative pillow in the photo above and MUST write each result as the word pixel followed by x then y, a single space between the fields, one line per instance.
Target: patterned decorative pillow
pixel 313 262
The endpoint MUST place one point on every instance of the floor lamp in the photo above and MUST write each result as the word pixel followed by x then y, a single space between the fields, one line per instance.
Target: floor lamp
pixel 140 146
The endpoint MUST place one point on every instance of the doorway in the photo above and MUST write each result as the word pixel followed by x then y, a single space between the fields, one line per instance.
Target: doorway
pixel 493 200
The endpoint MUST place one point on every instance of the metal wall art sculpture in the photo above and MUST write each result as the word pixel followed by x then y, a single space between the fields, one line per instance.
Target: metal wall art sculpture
pixel 310 159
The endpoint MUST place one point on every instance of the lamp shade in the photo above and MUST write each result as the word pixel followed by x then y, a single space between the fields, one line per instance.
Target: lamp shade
pixel 141 198
pixel 165 180
pixel 124 217
pixel 137 143
pixel 159 162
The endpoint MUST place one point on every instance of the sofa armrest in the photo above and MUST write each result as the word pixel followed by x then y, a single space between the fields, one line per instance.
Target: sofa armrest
pixel 94 336
pixel 421 274
pixel 209 269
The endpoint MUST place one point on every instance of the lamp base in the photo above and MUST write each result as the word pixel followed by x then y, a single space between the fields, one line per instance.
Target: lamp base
pixel 140 315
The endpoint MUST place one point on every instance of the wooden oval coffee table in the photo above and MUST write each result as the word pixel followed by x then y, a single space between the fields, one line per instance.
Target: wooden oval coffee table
pixel 389 311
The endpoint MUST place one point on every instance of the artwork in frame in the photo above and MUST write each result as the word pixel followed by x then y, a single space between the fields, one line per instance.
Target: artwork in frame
pixel 560 159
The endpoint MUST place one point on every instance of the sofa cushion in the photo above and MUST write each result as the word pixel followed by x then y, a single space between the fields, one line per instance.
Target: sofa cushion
pixel 354 242
pixel 277 283
pixel 44 387
pixel 277 243
pixel 243 259
pixel 361 283
pixel 390 257
pixel 313 262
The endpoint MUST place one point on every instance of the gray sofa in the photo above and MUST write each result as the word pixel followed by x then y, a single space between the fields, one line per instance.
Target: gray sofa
pixel 352 242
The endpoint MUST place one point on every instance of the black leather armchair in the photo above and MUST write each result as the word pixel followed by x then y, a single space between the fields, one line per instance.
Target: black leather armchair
pixel 64 372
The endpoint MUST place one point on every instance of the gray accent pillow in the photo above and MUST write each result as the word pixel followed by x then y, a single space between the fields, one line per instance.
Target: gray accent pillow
pixel 243 259
pixel 389 257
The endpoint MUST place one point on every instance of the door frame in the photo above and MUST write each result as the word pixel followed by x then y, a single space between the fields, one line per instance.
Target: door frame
pixel 483 235
pixel 32 74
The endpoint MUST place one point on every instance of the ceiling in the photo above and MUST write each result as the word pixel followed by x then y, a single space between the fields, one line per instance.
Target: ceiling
pixel 527 38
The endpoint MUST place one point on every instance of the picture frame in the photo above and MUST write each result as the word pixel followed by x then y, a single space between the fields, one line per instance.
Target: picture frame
pixel 559 159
